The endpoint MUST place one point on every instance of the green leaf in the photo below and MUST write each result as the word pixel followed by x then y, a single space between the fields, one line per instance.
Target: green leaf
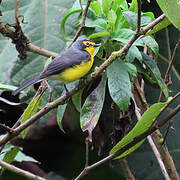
pixel 119 84
pixel 60 113
pixel 92 108
pixel 133 6
pixel 62 27
pixel 151 44
pixel 7 87
pixel 150 63
pixel 171 9
pixel 133 53
pixel 11 154
pixel 122 35
pixel 120 3
pixel 99 34
pixel 22 157
pixel 111 18
pixel 76 99
pixel 48 61
pixel 106 5
pixel 100 23
pixel 163 24
pixel 132 70
pixel 96 7
pixel 142 125
pixel 118 18
pixel 30 111
pixel 131 17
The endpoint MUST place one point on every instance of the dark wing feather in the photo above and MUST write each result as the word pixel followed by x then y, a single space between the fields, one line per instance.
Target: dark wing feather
pixel 66 60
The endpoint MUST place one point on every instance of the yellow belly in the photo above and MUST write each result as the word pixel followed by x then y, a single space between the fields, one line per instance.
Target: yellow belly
pixel 76 72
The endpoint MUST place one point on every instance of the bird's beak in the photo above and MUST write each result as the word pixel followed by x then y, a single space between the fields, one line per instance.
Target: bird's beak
pixel 96 45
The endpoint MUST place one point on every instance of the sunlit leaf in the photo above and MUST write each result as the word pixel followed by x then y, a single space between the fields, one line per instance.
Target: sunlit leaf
pixel 96 7
pixel 171 9
pixel 62 28
pixel 100 23
pixel 161 25
pixel 92 108
pixel 99 34
pixel 11 154
pixel 48 61
pixel 22 157
pixel 142 125
pixel 106 4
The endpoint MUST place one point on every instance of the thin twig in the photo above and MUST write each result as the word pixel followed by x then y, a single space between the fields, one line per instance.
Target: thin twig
pixel 167 75
pixel 166 157
pixel 16 10
pixel 127 172
pixel 19 171
pixel 131 144
pixel 6 128
pixel 139 16
pixel 167 131
pixel 158 157
pixel 153 146
pixel 87 151
pixel 82 23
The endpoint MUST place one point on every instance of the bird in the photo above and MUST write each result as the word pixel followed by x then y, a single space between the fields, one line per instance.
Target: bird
pixel 71 65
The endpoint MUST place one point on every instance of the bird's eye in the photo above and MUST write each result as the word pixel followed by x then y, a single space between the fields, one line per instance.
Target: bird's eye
pixel 87 43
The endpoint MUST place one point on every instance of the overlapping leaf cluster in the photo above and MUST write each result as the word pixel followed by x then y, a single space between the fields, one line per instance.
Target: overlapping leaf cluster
pixel 114 23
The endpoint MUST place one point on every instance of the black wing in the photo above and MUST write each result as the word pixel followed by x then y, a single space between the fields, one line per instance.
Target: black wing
pixel 66 60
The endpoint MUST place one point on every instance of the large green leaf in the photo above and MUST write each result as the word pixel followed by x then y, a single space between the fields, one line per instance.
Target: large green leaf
pixel 171 9
pixel 42 28
pixel 92 108
pixel 119 84
pixel 142 125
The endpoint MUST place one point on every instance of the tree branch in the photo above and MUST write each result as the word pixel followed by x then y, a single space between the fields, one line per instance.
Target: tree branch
pixel 167 75
pixel 20 171
pixel 165 155
pixel 127 172
pixel 131 144
pixel 93 75
pixel 139 16
pixel 153 146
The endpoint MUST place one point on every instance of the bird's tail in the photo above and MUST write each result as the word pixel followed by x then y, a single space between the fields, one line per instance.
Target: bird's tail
pixel 26 84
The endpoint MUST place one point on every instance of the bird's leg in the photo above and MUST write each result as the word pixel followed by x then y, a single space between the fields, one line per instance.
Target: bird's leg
pixel 50 91
pixel 67 92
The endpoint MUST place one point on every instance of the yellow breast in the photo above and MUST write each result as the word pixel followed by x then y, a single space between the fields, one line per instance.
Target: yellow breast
pixel 76 72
